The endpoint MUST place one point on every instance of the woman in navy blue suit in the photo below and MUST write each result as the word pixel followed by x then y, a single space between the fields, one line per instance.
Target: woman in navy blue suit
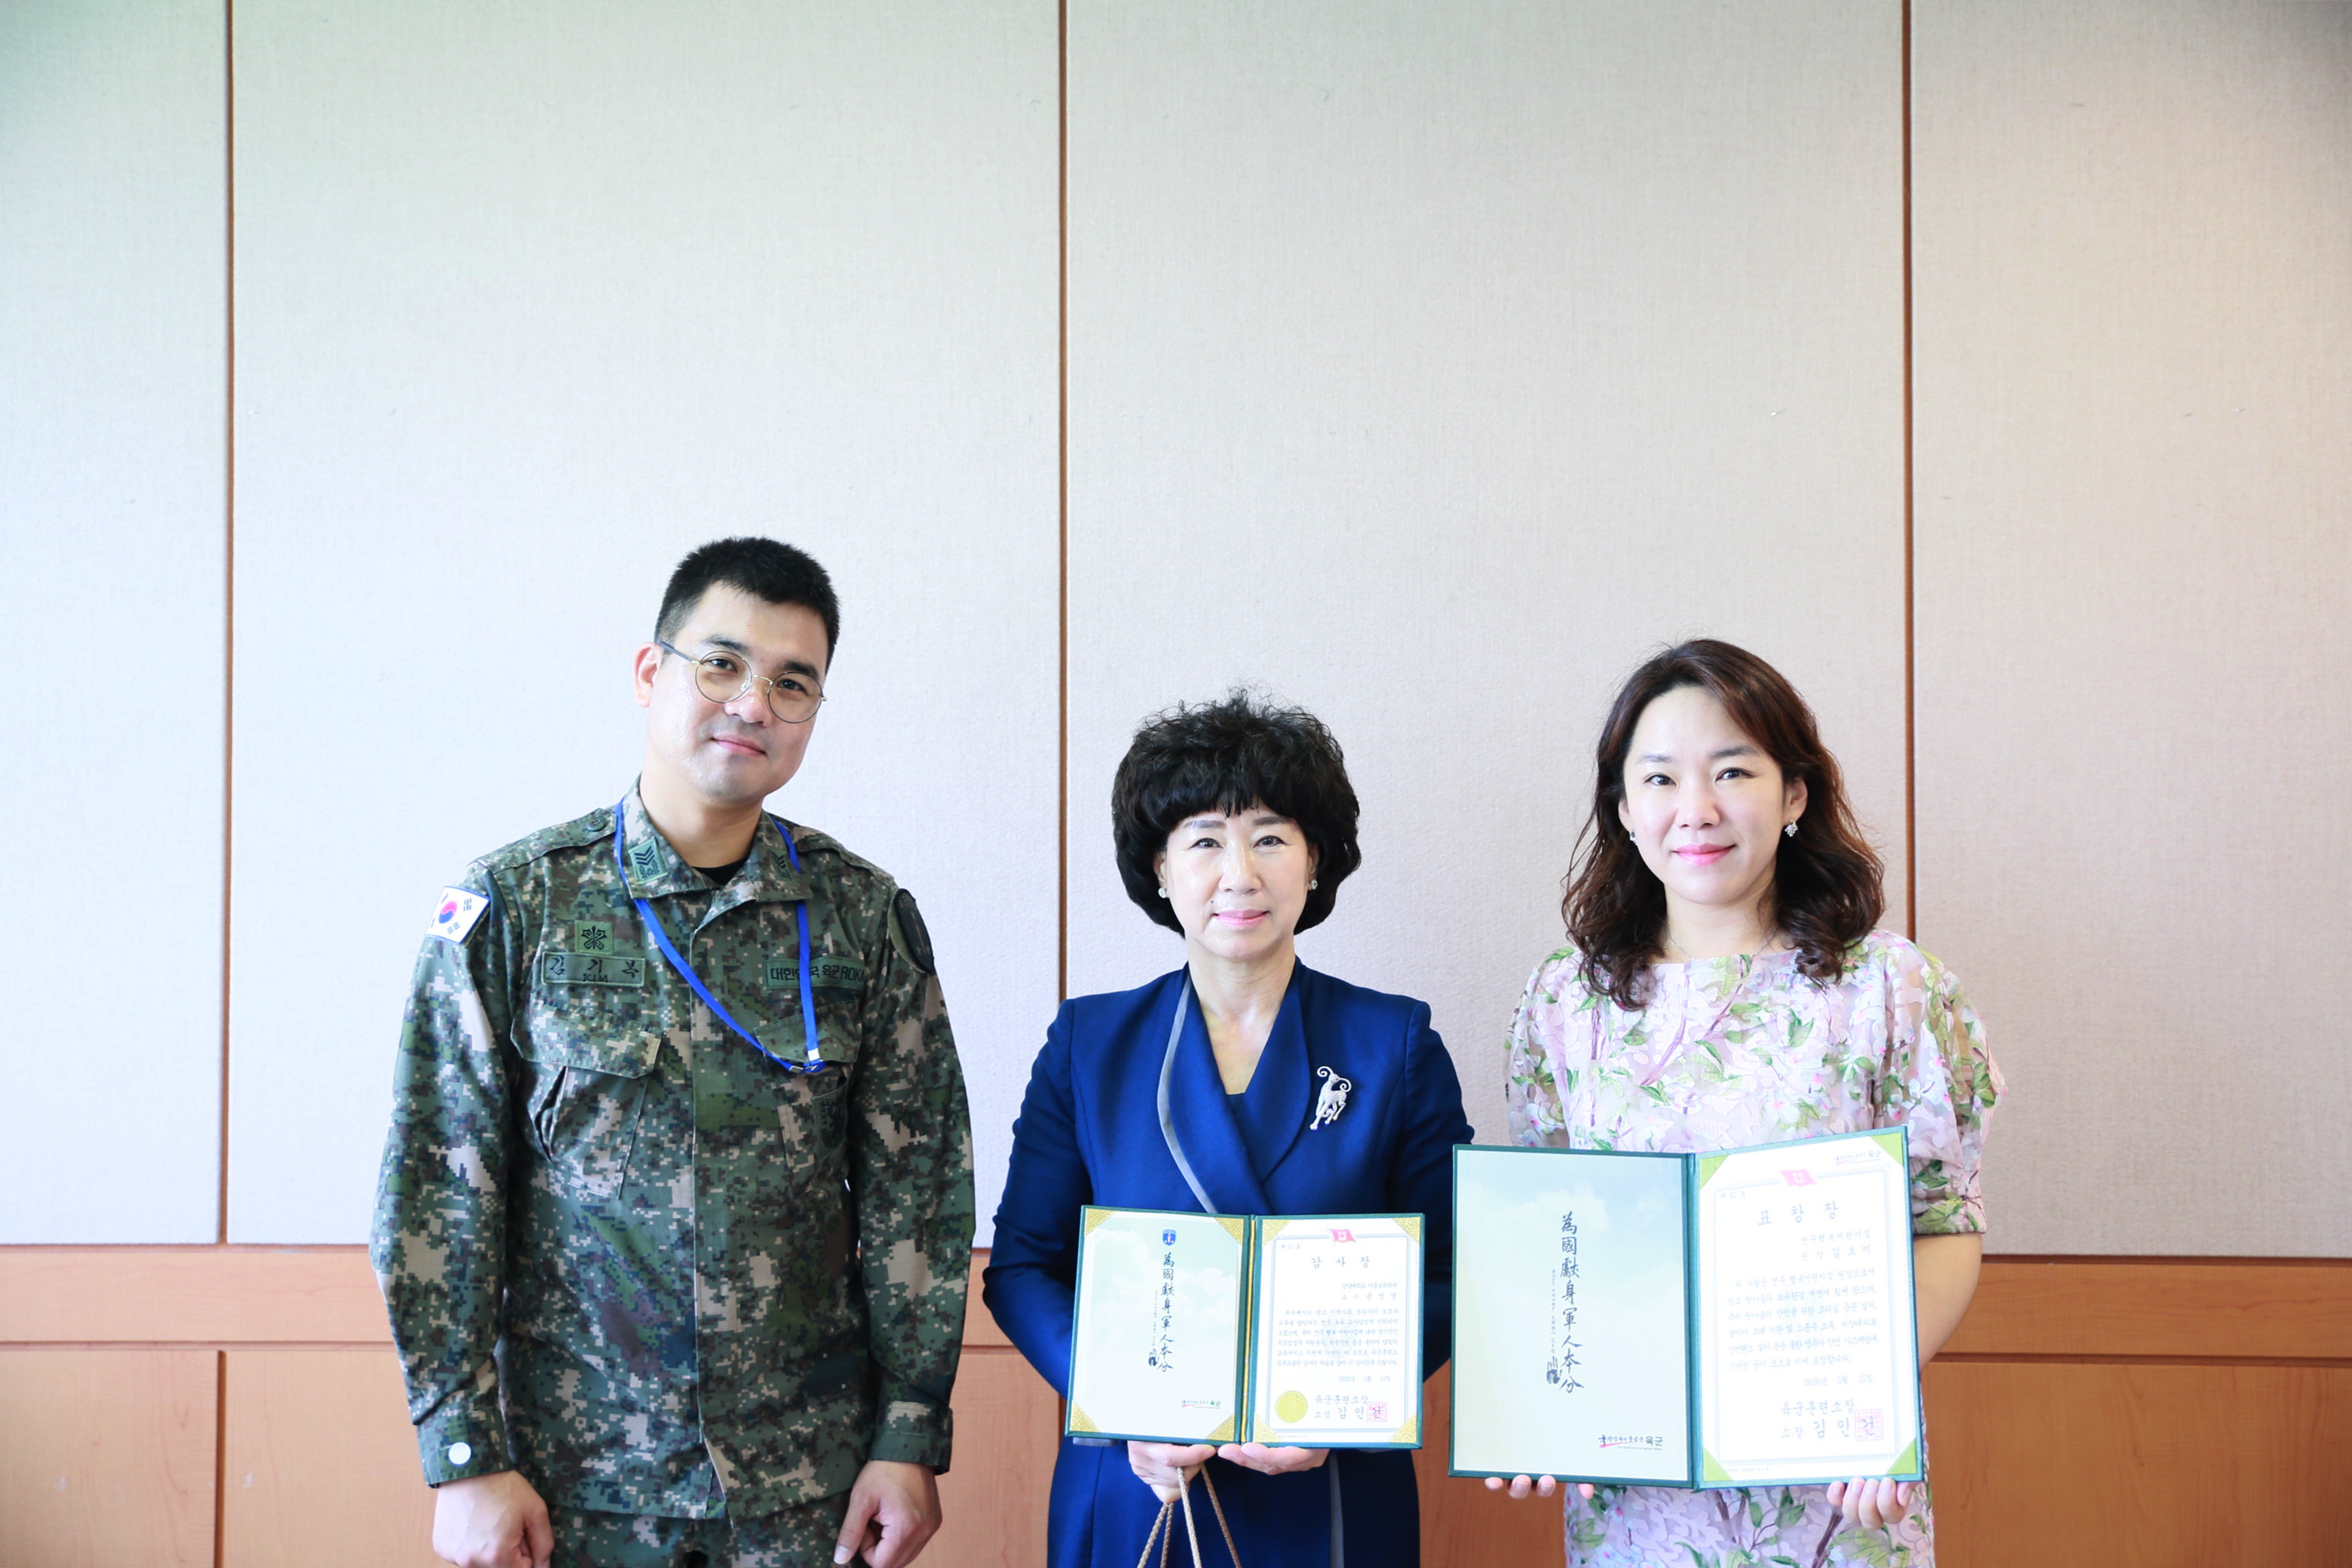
pixel 1235 824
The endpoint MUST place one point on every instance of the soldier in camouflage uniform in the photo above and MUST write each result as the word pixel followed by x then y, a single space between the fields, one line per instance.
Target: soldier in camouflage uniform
pixel 704 1306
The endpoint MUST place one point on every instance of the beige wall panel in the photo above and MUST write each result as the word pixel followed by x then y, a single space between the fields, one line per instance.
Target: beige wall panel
pixel 106 1458
pixel 534 298
pixel 319 1463
pixel 112 364
pixel 1433 364
pixel 2134 269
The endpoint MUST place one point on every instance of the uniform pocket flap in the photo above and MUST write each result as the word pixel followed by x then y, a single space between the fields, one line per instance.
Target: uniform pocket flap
pixel 568 1031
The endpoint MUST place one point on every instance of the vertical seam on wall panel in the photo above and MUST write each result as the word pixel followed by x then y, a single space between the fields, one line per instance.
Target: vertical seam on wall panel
pixel 1061 458
pixel 228 559
pixel 1910 493
pixel 220 1459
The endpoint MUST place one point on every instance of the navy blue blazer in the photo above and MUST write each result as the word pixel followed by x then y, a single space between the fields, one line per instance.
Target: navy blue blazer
pixel 1089 1134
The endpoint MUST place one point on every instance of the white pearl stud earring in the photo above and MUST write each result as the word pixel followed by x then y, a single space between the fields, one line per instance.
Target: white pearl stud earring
pixel 1312 884
pixel 1163 892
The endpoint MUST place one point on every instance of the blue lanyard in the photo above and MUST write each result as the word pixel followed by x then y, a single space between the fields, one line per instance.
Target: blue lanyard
pixel 678 960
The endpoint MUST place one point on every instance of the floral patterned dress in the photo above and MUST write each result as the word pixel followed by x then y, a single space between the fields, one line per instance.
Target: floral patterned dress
pixel 1735 1051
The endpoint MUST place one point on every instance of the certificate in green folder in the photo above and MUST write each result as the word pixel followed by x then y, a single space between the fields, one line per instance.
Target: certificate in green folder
pixel 1301 1329
pixel 1741 1319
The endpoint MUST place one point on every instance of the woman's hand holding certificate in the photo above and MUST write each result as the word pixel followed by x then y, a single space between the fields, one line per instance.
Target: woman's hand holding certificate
pixel 1166 1468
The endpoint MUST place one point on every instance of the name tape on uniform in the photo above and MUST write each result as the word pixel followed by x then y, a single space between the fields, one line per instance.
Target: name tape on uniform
pixel 824 973
pixel 593 968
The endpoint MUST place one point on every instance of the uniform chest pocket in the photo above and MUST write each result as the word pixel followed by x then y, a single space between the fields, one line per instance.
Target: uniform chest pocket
pixel 839 988
pixel 586 1092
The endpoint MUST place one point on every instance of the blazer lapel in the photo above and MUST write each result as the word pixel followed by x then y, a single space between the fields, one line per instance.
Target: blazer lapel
pixel 1281 1091
pixel 1203 1122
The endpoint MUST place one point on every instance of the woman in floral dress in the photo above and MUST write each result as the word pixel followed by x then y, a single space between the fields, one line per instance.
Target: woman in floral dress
pixel 1726 985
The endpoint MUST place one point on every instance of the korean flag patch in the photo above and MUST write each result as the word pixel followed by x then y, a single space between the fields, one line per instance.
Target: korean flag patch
pixel 454 916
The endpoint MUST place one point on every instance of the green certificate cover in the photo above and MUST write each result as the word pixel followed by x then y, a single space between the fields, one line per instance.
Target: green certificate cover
pixel 1740 1319
pixel 1298 1330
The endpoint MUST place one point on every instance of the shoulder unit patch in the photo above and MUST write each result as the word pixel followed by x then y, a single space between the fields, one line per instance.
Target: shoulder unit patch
pixel 454 916
pixel 906 930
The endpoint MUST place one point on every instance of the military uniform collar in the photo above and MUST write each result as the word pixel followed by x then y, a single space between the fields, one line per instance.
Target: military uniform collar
pixel 656 869
pixel 769 873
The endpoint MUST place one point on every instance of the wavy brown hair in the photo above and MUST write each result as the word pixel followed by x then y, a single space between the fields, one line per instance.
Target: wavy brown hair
pixel 1828 886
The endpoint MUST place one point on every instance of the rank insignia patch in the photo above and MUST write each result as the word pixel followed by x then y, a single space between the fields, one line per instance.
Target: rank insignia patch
pixel 454 916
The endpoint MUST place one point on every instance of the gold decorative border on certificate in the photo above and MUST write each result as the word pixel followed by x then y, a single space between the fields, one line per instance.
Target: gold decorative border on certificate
pixel 1236 1226
pixel 1224 1433
pixel 1410 1225
pixel 1081 1421
pixel 1096 1218
pixel 1408 1434
pixel 1270 1228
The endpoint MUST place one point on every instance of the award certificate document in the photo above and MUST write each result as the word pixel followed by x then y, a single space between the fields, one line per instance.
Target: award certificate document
pixel 1336 1332
pixel 1737 1318
pixel 1193 1328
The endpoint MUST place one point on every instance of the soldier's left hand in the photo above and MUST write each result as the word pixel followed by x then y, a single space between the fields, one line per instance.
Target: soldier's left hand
pixel 894 1509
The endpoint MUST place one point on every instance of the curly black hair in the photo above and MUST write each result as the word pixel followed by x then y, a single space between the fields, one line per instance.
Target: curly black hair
pixel 1238 752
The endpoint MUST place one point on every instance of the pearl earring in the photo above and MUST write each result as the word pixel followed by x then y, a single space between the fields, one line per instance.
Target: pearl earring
pixel 1791 831
pixel 1163 892
pixel 1312 884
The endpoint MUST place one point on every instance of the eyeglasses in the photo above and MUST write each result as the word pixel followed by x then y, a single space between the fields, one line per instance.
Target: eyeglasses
pixel 722 677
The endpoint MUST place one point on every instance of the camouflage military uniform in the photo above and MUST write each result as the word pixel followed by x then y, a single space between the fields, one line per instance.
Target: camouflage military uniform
pixel 625 1254
pixel 585 1539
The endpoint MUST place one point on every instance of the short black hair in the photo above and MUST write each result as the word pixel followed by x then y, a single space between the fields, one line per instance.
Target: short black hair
pixel 764 568
pixel 1224 756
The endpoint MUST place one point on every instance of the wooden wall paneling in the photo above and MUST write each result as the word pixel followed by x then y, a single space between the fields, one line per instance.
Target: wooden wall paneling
pixel 2047 1465
pixel 2160 1307
pixel 1461 1521
pixel 1433 362
pixel 209 1295
pixel 106 1458
pixel 2077 1388
pixel 320 1457
pixel 1007 1430
pixel 2297 1310
pixel 2133 367
pixel 112 364
pixel 528 305
pixel 319 1463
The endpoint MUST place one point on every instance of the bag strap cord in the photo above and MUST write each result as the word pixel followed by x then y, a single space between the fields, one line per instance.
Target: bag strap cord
pixel 1163 1529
